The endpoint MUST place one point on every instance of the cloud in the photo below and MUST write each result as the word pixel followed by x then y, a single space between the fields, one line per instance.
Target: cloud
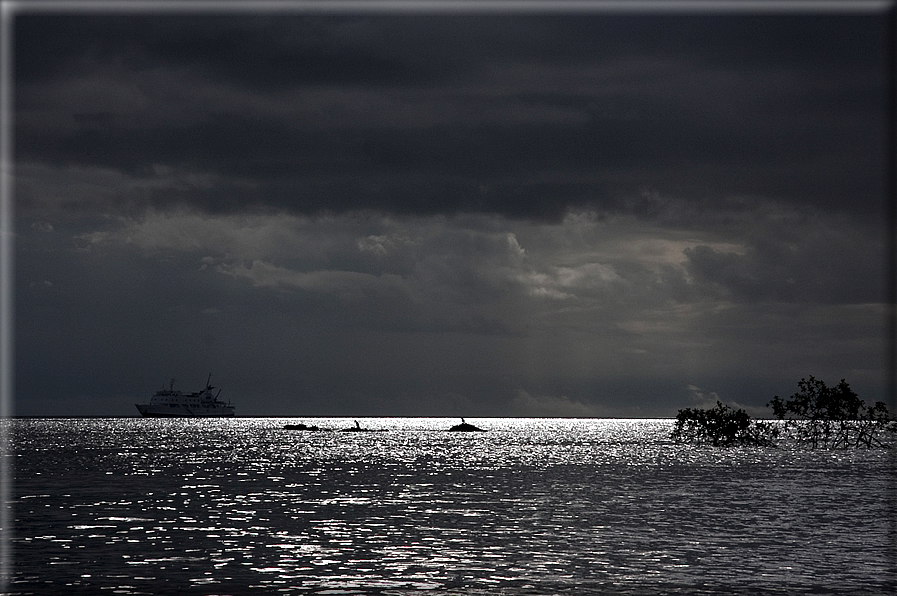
pixel 561 283
pixel 348 286
pixel 638 277
pixel 701 398
pixel 434 305
pixel 384 244
pixel 67 191
pixel 810 259
pixel 313 115
pixel 550 406
pixel 708 399
pixel 42 226
pixel 442 207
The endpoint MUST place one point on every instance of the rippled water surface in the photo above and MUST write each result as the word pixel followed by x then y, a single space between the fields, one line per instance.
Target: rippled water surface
pixel 533 506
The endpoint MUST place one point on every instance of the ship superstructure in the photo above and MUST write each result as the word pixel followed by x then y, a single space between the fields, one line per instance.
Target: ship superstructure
pixel 173 402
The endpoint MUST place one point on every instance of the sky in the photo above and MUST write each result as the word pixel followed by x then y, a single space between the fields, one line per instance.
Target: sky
pixel 403 212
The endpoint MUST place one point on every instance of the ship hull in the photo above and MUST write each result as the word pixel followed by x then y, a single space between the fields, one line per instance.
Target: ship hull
pixel 165 411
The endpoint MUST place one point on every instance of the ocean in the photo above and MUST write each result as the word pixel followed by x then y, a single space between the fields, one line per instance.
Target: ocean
pixel 532 506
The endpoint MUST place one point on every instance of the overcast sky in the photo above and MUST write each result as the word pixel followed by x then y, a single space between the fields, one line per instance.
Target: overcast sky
pixel 391 213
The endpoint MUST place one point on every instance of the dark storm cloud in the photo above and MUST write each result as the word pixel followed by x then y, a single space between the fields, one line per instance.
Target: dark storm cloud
pixel 592 214
pixel 520 115
pixel 790 261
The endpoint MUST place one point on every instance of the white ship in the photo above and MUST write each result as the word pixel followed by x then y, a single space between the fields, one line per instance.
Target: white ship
pixel 172 402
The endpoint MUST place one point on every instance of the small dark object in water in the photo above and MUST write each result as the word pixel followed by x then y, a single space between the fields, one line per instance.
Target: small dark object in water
pixel 465 427
pixel 357 429
pixel 353 429
pixel 301 427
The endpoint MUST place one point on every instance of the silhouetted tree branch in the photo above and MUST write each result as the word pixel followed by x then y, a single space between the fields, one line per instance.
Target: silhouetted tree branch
pixel 721 426
pixel 832 417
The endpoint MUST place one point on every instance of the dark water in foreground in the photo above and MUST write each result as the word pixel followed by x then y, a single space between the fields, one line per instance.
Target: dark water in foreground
pixel 534 506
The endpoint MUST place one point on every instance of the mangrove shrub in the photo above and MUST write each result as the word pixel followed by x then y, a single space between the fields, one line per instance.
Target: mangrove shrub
pixel 832 417
pixel 721 426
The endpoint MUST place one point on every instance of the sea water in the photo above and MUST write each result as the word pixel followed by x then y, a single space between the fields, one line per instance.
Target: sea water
pixel 532 506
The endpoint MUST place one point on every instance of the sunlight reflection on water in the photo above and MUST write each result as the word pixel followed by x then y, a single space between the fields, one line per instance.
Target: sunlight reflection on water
pixel 537 506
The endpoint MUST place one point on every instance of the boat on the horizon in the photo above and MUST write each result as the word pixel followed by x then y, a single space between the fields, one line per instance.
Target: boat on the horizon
pixel 173 403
